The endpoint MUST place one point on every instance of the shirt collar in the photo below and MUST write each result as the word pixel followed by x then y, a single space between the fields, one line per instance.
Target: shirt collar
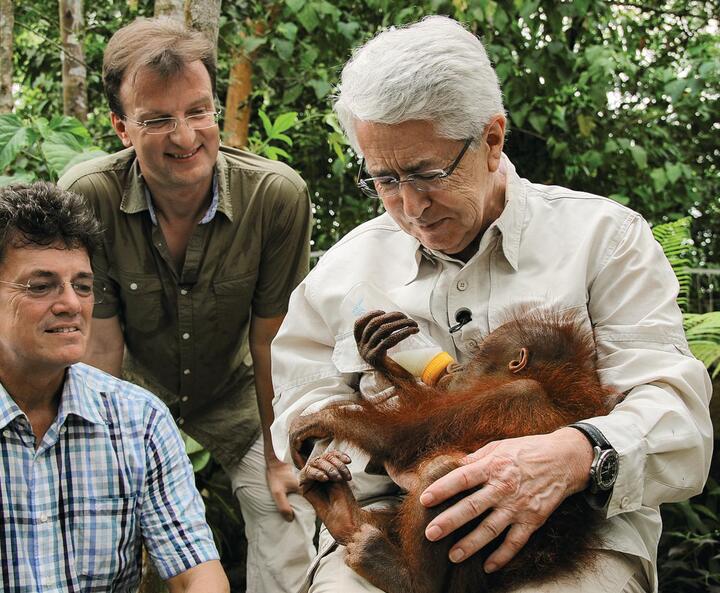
pixel 511 221
pixel 136 195
pixel 9 410
pixel 77 398
pixel 209 214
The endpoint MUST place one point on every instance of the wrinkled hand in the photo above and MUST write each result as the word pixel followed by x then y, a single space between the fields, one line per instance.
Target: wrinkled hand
pixel 281 481
pixel 522 481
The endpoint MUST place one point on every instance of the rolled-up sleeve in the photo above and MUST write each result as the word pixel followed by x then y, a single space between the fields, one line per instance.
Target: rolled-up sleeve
pixel 662 428
pixel 173 523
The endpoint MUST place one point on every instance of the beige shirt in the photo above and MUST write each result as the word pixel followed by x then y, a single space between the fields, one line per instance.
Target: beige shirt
pixel 552 245
pixel 186 331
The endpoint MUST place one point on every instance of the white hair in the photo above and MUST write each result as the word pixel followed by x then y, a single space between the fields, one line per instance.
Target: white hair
pixel 433 70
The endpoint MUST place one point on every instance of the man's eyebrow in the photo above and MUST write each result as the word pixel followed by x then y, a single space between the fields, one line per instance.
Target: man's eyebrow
pixel 153 114
pixel 43 274
pixel 421 165
pixel 48 274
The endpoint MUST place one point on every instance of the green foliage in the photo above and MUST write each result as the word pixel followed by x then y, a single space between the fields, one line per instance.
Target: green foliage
pixel 702 331
pixel 703 334
pixel 41 149
pixel 274 131
pixel 674 238
pixel 614 98
pixel 689 553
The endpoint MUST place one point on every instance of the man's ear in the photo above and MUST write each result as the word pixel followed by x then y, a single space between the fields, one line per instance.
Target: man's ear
pixel 494 139
pixel 120 128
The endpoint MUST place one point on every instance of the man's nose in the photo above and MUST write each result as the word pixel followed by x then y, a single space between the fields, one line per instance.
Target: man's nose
pixel 183 134
pixel 67 301
pixel 415 202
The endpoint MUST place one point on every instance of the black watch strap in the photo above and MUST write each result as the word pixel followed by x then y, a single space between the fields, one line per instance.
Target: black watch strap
pixel 593 434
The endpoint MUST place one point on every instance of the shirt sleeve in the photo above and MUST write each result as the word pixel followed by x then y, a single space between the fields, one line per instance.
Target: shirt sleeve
pixel 286 246
pixel 304 376
pixel 662 429
pixel 174 529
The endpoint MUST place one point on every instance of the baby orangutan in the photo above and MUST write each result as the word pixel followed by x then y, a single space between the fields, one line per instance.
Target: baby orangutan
pixel 532 375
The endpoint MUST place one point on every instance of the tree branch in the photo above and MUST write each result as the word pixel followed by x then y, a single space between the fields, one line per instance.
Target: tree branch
pixel 53 43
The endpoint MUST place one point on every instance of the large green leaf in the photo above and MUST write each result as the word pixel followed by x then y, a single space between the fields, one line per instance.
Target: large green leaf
pixel 24 177
pixel 81 157
pixel 14 137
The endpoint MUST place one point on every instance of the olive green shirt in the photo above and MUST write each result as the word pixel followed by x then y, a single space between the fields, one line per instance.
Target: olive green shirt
pixel 186 332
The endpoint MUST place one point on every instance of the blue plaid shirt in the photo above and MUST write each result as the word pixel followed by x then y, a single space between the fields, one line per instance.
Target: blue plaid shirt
pixel 110 473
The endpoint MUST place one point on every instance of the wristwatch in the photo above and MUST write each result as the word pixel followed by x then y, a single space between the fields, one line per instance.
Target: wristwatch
pixel 605 464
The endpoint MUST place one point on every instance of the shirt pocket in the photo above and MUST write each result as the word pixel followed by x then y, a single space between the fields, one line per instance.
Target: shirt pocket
pixel 142 299
pixel 346 357
pixel 233 297
pixel 105 539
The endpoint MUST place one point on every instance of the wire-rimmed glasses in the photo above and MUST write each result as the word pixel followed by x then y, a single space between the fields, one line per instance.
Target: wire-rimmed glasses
pixel 47 289
pixel 167 125
pixel 386 185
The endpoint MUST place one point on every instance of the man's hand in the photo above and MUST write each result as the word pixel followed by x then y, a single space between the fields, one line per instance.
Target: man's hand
pixel 522 481
pixel 282 481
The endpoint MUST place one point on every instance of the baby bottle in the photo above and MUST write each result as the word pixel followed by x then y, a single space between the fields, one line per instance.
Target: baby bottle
pixel 417 354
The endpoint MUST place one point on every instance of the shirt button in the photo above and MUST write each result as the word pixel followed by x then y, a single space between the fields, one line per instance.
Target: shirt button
pixel 186 336
pixel 472 343
pixel 133 286
pixel 184 398
pixel 180 421
pixel 7 433
pixel 63 429
pixel 183 291
pixel 625 502
pixel 186 372
pixel 461 285
pixel 43 517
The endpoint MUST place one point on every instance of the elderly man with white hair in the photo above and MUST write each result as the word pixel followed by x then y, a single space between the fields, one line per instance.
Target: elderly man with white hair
pixel 462 230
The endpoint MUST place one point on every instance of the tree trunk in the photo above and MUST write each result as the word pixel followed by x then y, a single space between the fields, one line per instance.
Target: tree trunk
pixel 237 104
pixel 204 16
pixel 171 8
pixel 7 22
pixel 74 71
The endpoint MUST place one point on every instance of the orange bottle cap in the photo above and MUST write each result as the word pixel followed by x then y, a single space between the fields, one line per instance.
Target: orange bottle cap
pixel 436 368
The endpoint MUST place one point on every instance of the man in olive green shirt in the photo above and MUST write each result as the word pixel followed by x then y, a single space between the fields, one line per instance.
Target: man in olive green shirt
pixel 203 246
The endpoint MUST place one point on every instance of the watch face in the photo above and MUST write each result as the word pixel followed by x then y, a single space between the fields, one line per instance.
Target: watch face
pixel 607 469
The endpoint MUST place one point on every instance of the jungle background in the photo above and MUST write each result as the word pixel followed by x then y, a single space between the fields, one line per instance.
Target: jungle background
pixel 615 98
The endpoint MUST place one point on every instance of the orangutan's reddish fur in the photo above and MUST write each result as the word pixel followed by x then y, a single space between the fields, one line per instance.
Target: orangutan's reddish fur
pixel 426 430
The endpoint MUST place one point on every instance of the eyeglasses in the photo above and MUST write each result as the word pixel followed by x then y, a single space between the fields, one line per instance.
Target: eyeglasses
pixel 167 125
pixel 425 181
pixel 47 290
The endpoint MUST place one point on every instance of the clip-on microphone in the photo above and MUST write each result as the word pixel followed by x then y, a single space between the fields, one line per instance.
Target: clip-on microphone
pixel 462 316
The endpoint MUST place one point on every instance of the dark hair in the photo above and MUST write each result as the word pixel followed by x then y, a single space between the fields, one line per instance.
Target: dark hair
pixel 42 214
pixel 162 44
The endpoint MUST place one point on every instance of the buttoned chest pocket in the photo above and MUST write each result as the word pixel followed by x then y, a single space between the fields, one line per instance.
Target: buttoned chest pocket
pixel 142 297
pixel 106 543
pixel 233 297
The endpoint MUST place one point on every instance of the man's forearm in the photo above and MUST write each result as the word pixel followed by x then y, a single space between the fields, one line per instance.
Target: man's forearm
pixel 208 577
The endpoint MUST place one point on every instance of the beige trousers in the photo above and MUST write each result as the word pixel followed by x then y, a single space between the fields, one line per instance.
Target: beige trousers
pixel 614 573
pixel 279 552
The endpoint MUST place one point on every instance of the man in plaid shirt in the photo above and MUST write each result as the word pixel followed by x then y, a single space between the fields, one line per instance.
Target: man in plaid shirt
pixel 91 467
